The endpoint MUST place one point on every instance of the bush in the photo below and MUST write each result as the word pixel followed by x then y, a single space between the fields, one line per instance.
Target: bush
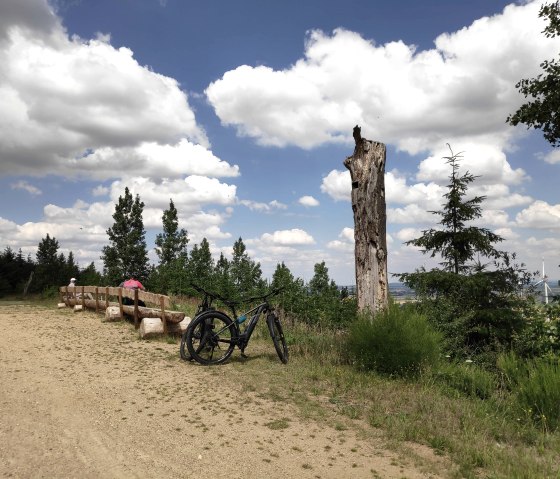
pixel 398 342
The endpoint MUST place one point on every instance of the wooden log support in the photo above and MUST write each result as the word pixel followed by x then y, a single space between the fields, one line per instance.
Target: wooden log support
pixel 367 170
pixel 136 322
pixel 152 327
pixel 164 319
pixel 120 302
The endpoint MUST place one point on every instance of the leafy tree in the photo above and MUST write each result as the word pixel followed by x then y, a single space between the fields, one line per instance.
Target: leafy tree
pixel 222 277
pixel 172 243
pixel 542 111
pixel 456 242
pixel 126 255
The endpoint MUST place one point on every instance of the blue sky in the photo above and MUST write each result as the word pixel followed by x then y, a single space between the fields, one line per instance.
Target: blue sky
pixel 242 113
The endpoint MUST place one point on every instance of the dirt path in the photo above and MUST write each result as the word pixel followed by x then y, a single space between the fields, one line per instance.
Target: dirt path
pixel 82 398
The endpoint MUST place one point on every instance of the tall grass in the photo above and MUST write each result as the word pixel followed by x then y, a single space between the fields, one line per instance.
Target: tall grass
pixel 535 386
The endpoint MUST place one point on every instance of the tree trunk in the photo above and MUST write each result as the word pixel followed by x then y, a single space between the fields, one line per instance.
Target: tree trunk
pixel 367 170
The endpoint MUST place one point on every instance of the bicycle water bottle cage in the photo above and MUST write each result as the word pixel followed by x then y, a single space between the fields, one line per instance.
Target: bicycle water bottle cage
pixel 241 319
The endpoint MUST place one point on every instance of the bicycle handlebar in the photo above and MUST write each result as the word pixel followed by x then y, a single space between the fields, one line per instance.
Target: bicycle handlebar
pixel 231 303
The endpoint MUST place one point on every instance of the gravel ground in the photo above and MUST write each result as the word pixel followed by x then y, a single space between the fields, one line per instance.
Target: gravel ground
pixel 85 398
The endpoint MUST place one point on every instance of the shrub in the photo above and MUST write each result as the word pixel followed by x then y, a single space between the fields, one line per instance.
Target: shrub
pixel 397 342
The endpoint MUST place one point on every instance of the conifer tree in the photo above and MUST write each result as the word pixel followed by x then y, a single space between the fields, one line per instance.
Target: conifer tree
pixel 126 255
pixel 245 273
pixel 172 243
pixel 455 241
pixel 201 263
pixel 49 270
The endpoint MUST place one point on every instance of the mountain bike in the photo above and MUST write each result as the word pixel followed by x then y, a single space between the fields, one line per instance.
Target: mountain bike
pixel 212 335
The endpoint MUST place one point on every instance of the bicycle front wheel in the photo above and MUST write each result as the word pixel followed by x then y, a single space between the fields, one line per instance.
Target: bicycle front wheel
pixel 183 350
pixel 277 335
pixel 211 338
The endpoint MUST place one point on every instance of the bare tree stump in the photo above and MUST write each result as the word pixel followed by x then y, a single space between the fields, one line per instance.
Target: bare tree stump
pixel 367 170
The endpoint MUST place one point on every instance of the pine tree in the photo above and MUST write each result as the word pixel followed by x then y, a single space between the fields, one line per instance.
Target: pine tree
pixel 126 256
pixel 456 242
pixel 172 243
pixel 245 273
pixel 49 270
pixel 201 264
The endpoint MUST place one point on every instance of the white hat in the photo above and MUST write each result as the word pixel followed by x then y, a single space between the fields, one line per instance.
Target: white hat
pixel 72 280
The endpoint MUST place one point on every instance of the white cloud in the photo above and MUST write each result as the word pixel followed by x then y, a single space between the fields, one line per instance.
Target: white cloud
pixel 407 234
pixel 459 88
pixel 153 160
pixel 83 107
pixel 25 186
pixel 337 184
pixel 263 207
pixel 291 237
pixel 553 157
pixel 346 242
pixel 308 201
pixel 539 215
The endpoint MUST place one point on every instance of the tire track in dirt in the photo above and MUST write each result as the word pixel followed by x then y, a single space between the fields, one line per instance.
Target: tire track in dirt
pixel 82 398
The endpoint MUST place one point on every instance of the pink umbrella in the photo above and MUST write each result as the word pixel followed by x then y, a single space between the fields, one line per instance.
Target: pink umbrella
pixel 133 284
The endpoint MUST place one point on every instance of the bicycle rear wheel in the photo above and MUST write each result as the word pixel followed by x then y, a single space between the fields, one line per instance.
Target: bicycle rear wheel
pixel 277 335
pixel 211 338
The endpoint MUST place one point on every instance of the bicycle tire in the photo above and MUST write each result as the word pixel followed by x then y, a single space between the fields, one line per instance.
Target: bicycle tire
pixel 277 335
pixel 183 350
pixel 205 335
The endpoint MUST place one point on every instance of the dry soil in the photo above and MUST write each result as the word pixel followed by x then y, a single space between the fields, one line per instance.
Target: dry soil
pixel 84 398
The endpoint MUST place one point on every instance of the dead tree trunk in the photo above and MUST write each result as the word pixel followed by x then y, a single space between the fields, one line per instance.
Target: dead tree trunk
pixel 367 170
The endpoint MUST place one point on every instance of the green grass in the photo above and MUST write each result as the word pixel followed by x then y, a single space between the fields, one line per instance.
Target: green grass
pixel 457 410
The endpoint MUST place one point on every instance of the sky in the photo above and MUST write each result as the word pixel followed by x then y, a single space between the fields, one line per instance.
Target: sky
pixel 241 112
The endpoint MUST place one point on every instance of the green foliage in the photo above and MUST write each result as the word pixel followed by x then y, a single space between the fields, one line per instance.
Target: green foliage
pixel 15 271
pixel 541 335
pixel 478 313
pixel 126 256
pixel 398 342
pixel 467 378
pixel 320 303
pixel 542 111
pixel 535 384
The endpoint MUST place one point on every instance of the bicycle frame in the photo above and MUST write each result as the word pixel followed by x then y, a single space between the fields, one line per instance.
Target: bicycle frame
pixel 244 336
